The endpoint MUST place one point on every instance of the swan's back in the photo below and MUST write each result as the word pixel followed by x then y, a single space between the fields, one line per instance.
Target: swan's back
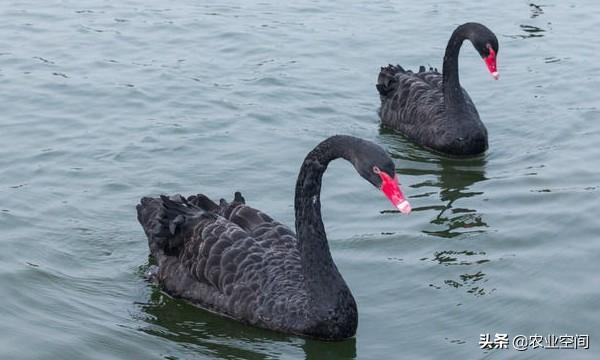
pixel 237 261
pixel 228 258
pixel 410 101
pixel 413 104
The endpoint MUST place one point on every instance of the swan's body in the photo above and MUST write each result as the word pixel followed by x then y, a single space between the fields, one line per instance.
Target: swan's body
pixel 237 261
pixel 433 109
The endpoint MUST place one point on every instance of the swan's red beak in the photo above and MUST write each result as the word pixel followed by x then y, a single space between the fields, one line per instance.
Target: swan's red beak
pixel 490 61
pixel 391 189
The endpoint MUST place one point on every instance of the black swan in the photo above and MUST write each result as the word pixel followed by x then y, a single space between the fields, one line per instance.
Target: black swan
pixel 433 109
pixel 237 261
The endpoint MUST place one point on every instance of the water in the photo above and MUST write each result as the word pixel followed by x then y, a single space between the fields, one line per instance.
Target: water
pixel 104 102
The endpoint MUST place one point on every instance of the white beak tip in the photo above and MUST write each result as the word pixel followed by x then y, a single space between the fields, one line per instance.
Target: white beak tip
pixel 404 207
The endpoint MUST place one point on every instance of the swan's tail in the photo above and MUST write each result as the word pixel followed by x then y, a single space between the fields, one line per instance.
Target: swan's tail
pixel 165 221
pixel 387 82
pixel 204 202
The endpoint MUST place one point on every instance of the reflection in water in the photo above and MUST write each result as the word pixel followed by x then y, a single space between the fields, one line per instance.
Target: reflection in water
pixel 222 338
pixel 471 281
pixel 342 350
pixel 452 180
pixel 199 330
pixel 449 257
pixel 454 177
pixel 536 10
pixel 530 30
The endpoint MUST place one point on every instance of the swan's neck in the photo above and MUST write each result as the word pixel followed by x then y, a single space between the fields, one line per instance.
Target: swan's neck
pixel 320 271
pixel 453 95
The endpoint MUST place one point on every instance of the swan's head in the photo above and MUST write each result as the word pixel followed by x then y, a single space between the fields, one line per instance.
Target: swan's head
pixel 490 60
pixel 486 44
pixel 390 187
pixel 375 165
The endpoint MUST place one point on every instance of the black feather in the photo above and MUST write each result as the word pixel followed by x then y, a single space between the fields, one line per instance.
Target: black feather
pixel 433 109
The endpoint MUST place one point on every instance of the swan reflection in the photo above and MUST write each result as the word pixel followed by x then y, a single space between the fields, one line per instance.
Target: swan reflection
pixel 202 332
pixel 451 179
pixel 444 186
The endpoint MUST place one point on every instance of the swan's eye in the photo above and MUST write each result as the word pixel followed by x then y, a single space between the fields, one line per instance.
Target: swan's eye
pixel 376 170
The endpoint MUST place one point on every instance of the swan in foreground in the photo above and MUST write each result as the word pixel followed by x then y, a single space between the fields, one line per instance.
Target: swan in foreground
pixel 232 259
